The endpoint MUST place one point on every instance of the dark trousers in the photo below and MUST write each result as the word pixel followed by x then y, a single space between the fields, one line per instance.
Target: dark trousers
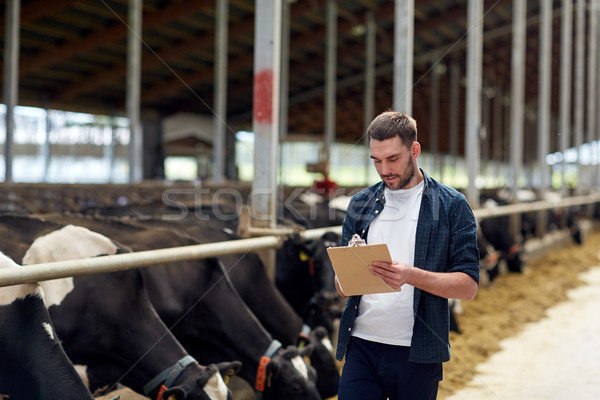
pixel 376 371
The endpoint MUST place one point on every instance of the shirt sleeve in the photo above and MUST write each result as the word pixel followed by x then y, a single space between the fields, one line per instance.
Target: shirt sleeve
pixel 464 254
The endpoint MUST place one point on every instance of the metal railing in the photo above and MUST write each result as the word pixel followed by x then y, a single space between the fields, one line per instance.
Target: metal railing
pixel 87 266
pixel 118 262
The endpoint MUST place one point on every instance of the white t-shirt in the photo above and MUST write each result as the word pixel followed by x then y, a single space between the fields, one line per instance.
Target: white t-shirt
pixel 389 317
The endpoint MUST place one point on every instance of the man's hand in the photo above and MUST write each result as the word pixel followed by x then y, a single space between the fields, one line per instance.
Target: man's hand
pixel 394 274
pixel 450 285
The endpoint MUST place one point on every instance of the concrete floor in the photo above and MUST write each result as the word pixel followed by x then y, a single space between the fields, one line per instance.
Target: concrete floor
pixel 557 358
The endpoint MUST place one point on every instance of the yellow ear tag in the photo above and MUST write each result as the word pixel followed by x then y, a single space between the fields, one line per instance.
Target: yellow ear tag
pixel 303 256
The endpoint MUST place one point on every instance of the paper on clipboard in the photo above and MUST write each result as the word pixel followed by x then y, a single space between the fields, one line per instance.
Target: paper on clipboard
pixel 351 266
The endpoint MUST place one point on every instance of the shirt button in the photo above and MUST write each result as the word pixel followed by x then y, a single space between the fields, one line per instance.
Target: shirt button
pixel 349 329
pixel 376 211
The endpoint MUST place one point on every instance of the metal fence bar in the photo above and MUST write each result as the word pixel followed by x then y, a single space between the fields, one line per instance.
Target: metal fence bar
pixel 533 206
pixel 87 266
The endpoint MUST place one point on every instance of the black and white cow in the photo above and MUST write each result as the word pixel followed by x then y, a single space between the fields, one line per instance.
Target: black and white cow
pixel 247 273
pixel 106 322
pixel 198 302
pixel 33 364
pixel 304 275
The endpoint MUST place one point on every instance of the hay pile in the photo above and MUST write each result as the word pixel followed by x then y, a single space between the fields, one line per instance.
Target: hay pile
pixel 500 310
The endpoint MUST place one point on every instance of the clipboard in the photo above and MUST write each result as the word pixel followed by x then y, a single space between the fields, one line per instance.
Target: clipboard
pixel 350 264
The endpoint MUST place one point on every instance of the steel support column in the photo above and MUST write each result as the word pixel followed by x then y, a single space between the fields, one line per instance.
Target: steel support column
pixel 592 96
pixel 545 91
pixel 403 55
pixel 220 92
pixel 497 121
pixel 473 100
pixel 265 122
pixel 565 84
pixel 454 111
pixel 285 70
pixel 434 119
pixel 517 93
pixel 369 85
pixel 11 78
pixel 134 77
pixel 330 74
pixel 579 80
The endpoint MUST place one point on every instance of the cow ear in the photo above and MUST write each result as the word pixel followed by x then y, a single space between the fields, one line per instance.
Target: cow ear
pixel 229 369
pixel 272 370
pixel 306 352
pixel 175 393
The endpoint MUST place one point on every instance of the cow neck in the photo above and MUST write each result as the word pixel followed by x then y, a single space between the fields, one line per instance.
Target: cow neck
pixel 167 377
pixel 261 374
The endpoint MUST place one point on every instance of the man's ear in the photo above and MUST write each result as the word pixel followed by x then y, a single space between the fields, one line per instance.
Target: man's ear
pixel 415 149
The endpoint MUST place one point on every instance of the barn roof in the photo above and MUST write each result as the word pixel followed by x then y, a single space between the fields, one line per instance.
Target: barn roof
pixel 73 57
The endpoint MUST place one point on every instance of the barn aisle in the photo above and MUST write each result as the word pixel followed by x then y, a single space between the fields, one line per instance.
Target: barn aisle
pixel 556 358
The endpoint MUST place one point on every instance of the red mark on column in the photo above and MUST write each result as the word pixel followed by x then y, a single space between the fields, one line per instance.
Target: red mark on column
pixel 263 96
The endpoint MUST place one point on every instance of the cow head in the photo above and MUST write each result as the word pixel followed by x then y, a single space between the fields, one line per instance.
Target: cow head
pixel 33 362
pixel 322 307
pixel 322 359
pixel 212 384
pixel 289 377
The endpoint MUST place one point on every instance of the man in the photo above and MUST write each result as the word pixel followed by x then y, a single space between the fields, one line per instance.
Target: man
pixel 395 343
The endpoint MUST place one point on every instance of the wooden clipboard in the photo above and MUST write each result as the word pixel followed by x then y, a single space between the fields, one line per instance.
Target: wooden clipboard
pixel 351 266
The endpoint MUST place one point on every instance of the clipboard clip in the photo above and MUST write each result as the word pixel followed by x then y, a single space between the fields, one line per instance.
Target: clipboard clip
pixel 356 240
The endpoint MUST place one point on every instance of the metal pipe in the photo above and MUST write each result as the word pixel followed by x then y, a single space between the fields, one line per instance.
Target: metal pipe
pixel 454 111
pixel 517 93
pixel 118 262
pixel 284 89
pixel 369 85
pixel 11 78
pixel 579 94
pixel 473 95
pixel 404 32
pixel 133 95
pixel 519 208
pixel 545 89
pixel 434 119
pixel 220 94
pixel 330 74
pixel 592 97
pixel 565 84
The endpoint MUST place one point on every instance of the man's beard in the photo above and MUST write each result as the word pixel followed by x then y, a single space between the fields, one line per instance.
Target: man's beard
pixel 403 179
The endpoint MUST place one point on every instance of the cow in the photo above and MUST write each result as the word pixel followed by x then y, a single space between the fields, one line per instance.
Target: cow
pixel 496 232
pixel 106 322
pixel 248 276
pixel 198 302
pixel 304 275
pixel 34 365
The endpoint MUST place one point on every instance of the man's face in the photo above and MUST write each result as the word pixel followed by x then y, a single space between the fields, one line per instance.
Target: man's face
pixel 394 162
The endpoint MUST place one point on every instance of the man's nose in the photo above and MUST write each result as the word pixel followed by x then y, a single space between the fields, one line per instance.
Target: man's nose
pixel 386 168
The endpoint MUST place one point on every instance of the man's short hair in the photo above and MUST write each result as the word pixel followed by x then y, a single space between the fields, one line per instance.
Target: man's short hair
pixel 391 123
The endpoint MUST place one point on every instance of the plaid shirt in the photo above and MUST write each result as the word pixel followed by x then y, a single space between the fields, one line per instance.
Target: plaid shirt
pixel 446 241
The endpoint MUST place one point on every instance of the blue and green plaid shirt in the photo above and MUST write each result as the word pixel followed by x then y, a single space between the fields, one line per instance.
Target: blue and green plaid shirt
pixel 446 241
